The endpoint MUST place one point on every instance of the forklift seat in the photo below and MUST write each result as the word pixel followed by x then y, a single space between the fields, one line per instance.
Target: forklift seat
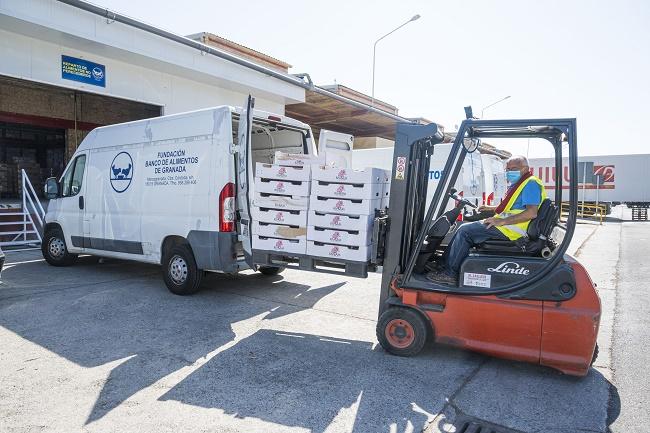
pixel 535 242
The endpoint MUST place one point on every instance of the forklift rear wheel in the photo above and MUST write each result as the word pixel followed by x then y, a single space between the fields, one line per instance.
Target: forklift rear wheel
pixel 402 331
pixel 270 270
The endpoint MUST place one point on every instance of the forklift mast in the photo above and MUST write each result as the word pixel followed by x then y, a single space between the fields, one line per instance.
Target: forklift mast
pixel 414 146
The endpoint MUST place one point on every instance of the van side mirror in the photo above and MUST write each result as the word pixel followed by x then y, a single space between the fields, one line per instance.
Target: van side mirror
pixel 51 188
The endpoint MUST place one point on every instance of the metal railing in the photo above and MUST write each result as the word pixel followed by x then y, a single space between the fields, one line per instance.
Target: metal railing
pixel 597 211
pixel 31 218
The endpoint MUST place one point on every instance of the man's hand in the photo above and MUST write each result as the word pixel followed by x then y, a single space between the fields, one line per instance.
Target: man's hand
pixel 493 222
pixel 484 208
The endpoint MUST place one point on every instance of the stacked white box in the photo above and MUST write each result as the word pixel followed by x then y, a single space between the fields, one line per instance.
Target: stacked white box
pixel 280 206
pixel 342 209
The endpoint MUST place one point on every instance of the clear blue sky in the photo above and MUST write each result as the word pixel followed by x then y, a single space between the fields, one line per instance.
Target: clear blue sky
pixel 588 59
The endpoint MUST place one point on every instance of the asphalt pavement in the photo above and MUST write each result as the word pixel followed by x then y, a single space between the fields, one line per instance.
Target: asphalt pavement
pixel 105 347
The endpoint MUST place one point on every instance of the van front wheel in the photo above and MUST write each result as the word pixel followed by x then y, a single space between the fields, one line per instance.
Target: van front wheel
pixel 180 272
pixel 54 249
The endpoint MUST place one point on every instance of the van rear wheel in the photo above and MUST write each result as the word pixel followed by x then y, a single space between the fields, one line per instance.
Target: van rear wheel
pixel 54 249
pixel 270 270
pixel 180 272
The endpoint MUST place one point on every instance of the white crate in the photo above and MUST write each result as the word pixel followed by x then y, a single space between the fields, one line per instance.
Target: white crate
pixel 283 187
pixel 280 172
pixel 280 201
pixel 288 246
pixel 279 230
pixel 296 159
pixel 384 202
pixel 340 252
pixel 347 190
pixel 348 175
pixel 344 206
pixel 340 237
pixel 336 221
pixel 280 216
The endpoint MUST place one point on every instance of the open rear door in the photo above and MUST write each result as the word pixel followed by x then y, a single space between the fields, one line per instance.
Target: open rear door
pixel 245 175
pixel 336 148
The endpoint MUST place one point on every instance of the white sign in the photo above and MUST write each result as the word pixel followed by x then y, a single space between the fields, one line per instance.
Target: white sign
pixel 477 280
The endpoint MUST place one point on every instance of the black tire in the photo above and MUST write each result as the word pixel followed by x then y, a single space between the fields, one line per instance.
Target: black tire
pixel 402 331
pixel 180 272
pixel 55 250
pixel 270 270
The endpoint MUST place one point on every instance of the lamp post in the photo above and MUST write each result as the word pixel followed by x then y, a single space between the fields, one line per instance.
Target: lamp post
pixel 493 104
pixel 374 53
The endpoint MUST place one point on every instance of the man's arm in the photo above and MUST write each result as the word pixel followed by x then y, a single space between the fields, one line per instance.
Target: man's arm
pixel 528 214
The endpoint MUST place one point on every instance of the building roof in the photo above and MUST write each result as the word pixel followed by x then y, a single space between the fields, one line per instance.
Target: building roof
pixel 240 50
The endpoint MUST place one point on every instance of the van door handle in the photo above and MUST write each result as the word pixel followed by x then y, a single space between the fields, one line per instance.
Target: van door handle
pixel 81 202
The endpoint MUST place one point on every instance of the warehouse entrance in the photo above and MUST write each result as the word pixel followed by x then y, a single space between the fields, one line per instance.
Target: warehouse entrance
pixel 41 126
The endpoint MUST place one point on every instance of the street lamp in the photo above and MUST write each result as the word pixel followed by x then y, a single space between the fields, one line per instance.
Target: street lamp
pixel 492 104
pixel 374 52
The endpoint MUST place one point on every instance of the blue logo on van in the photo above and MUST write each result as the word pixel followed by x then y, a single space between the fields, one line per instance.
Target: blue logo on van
pixel 121 172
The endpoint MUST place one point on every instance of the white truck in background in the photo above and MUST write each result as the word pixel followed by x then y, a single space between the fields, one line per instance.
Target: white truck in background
pixel 482 179
pixel 604 179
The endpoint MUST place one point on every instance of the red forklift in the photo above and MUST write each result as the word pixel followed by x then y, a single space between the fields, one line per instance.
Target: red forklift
pixel 524 300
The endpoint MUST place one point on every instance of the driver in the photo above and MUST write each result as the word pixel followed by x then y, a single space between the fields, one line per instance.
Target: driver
pixel 511 219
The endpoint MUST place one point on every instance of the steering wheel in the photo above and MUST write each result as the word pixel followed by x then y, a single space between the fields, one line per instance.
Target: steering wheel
pixel 461 200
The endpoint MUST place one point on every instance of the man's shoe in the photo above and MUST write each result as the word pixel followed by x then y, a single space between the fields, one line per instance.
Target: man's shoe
pixel 442 277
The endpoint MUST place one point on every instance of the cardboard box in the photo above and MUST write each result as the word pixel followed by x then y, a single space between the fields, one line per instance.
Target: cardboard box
pixel 348 175
pixel 280 216
pixel 340 237
pixel 281 172
pixel 297 159
pixel 279 230
pixel 336 221
pixel 285 202
pixel 347 190
pixel 287 246
pixel 340 252
pixel 283 187
pixel 344 206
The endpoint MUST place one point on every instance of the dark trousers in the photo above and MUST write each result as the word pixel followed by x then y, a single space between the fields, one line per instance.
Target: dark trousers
pixel 466 237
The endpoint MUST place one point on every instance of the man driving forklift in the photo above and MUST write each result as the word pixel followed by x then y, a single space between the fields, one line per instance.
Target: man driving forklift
pixel 509 221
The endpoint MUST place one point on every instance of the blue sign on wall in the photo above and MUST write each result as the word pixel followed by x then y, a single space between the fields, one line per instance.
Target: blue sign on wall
pixel 83 71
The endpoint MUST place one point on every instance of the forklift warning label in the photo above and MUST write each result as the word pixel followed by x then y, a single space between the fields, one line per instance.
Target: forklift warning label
pixel 400 167
pixel 476 280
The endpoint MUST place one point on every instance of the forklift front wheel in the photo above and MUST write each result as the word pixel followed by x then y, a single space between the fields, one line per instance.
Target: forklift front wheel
pixel 402 331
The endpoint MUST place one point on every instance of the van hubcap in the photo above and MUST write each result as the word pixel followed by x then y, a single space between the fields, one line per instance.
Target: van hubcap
pixel 57 248
pixel 178 269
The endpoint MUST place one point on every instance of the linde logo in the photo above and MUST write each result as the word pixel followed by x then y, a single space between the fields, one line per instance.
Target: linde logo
pixel 510 268
pixel 342 174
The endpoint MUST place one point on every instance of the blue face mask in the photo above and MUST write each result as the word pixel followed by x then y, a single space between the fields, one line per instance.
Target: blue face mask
pixel 513 176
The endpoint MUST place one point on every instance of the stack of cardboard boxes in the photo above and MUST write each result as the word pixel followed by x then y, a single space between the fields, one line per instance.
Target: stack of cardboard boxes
pixel 342 210
pixel 304 207
pixel 281 203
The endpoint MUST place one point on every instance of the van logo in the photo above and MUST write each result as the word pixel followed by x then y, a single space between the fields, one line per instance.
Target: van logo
pixel 121 173
pixel 510 268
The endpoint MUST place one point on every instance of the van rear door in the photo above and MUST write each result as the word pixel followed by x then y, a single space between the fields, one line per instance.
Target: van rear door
pixel 244 164
pixel 336 148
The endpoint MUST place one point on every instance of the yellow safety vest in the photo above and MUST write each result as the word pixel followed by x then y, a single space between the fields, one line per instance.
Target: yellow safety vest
pixel 515 231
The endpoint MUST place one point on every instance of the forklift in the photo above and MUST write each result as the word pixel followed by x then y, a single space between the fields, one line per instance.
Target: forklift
pixel 524 300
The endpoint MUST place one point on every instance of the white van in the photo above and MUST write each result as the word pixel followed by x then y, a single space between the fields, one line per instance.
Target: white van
pixel 163 190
